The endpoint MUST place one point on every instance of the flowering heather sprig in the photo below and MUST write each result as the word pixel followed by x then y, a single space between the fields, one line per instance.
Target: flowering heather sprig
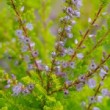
pixel 65 33
pixel 105 92
pixel 26 40
pixel 66 24
pixel 16 86
pixel 83 78
pixel 74 53
pixel 87 32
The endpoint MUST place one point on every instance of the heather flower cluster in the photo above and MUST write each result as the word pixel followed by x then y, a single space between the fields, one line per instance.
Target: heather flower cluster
pixel 16 86
pixel 27 44
pixel 67 22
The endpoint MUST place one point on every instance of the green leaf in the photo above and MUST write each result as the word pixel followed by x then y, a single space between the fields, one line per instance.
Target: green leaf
pixel 4 108
pixel 41 89
pixel 105 2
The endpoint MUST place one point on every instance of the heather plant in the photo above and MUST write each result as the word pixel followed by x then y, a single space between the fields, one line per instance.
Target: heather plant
pixel 54 55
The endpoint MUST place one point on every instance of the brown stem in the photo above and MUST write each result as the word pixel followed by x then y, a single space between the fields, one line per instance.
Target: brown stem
pixel 89 74
pixel 96 92
pixel 98 43
pixel 86 34
pixel 54 59
pixel 81 42
pixel 26 35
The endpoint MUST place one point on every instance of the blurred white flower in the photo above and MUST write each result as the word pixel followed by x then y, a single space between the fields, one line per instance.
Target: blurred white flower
pixel 22 9
pixel 102 73
pixel 80 55
pixel 99 98
pixel 89 20
pixel 91 83
pixel 18 32
pixel 29 26
pixel 105 92
pixel 96 108
pixel 17 89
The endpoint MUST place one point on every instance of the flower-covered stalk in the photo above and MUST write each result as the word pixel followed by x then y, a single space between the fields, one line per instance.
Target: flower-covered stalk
pixel 84 77
pixel 16 86
pixel 96 98
pixel 26 40
pixel 71 10
pixel 87 32
pixel 71 52
pixel 64 31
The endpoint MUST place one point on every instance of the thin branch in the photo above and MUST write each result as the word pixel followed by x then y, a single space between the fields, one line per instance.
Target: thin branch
pixel 97 91
pixel 89 74
pixel 86 33
pixel 98 43
pixel 26 35
pixel 84 37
